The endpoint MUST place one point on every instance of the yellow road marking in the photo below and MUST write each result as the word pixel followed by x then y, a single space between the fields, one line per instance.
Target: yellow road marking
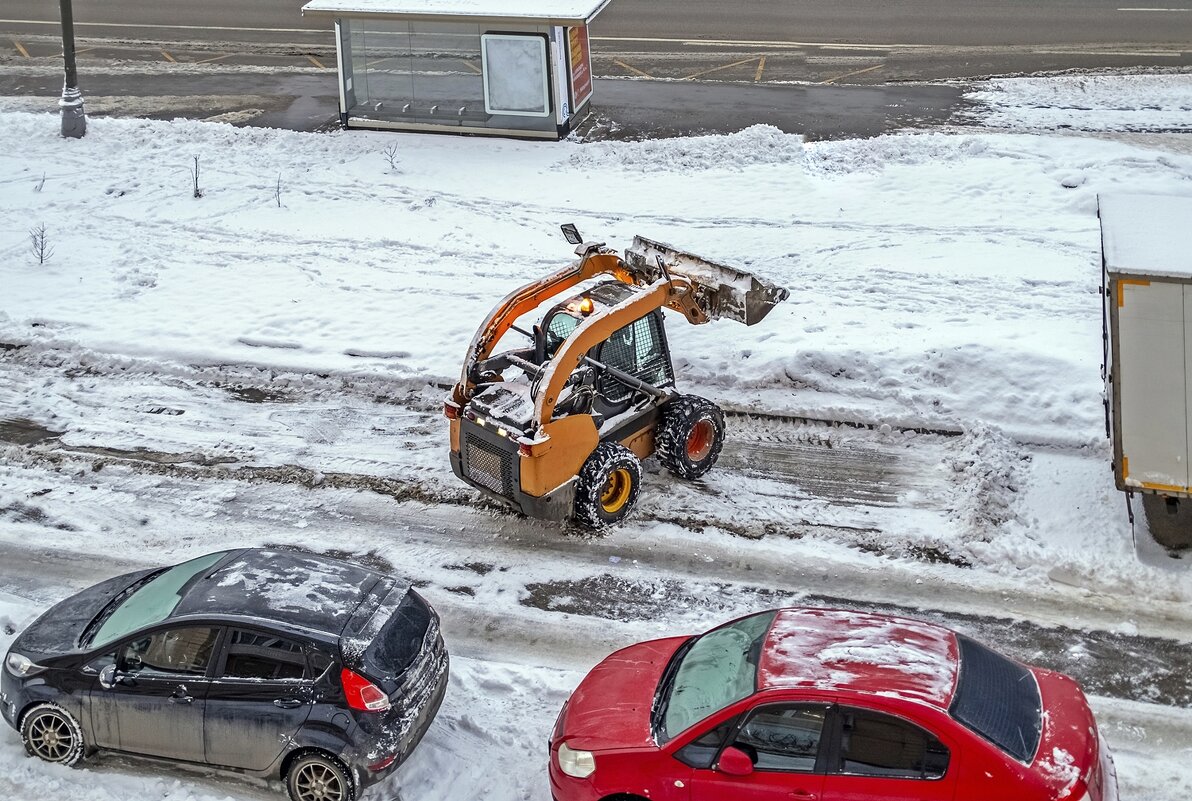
pixel 622 64
pixel 717 69
pixel 21 48
pixel 761 66
pixel 317 63
pixel 213 58
pixel 471 66
pixel 854 72
pixel 83 50
pixel 169 58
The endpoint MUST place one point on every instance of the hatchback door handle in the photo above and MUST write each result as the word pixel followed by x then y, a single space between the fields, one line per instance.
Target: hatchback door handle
pixel 180 696
pixel 287 703
pixel 802 795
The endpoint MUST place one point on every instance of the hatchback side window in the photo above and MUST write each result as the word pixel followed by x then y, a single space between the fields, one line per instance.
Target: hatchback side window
pixel 783 737
pixel 182 651
pixel 873 744
pixel 255 655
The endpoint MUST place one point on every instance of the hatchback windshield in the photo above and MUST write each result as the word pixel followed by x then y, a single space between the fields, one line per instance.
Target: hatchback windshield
pixel 153 601
pixel 717 669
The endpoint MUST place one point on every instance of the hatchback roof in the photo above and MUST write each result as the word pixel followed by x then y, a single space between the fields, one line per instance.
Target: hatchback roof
pixel 834 649
pixel 303 590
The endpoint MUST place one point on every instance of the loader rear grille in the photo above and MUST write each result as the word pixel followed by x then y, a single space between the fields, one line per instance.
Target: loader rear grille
pixel 489 466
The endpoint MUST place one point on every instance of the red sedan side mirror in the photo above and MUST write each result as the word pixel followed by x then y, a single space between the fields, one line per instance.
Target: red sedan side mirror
pixel 734 762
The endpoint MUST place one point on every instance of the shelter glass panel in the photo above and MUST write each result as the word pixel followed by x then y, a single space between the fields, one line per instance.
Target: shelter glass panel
pixel 424 73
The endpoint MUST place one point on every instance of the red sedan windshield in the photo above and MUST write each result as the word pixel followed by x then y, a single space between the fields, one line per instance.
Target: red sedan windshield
pixel 712 672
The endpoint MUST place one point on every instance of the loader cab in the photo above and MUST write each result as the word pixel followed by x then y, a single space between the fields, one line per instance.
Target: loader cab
pixel 639 348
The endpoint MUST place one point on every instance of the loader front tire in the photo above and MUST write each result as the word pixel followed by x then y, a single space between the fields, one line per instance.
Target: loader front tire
pixel 689 436
pixel 607 487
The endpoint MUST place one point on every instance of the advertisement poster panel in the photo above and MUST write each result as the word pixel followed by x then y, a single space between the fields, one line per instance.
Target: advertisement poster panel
pixel 581 66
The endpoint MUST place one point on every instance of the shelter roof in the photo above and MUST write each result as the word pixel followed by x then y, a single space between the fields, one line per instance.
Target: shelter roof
pixel 532 12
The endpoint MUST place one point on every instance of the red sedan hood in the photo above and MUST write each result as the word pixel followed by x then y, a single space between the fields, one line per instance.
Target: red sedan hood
pixel 611 707
pixel 1069 746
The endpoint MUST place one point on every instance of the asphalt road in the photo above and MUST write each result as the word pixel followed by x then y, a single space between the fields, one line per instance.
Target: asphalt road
pixel 817 41
pixel 912 22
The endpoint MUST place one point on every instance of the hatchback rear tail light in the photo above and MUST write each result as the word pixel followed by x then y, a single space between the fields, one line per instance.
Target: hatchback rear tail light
pixel 362 694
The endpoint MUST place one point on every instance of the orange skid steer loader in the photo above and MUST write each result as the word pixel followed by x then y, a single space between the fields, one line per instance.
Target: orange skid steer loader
pixel 557 428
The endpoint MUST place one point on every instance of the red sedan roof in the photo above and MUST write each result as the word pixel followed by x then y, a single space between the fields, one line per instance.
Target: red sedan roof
pixel 833 649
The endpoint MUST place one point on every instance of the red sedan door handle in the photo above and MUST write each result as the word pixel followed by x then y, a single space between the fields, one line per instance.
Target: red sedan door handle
pixel 802 795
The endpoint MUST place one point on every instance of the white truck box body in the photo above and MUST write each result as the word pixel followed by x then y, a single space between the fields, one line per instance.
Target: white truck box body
pixel 1146 249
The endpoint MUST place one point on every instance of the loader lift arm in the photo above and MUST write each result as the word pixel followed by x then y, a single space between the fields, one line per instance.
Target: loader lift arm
pixel 595 260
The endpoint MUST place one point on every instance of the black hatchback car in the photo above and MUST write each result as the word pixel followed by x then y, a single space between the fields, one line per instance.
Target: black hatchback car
pixel 279 664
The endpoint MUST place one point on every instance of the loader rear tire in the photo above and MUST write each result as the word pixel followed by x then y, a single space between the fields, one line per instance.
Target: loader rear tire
pixel 689 436
pixel 607 487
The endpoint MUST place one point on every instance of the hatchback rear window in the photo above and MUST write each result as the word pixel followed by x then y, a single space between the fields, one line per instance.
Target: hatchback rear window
pixel 400 640
pixel 998 699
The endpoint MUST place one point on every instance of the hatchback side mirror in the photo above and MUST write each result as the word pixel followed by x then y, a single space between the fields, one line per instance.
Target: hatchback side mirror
pixel 109 677
pixel 734 762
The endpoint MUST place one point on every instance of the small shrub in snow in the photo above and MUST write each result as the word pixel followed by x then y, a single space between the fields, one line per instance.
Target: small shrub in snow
pixel 195 175
pixel 391 158
pixel 39 243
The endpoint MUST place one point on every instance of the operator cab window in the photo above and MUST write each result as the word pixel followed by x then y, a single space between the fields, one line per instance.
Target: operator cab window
pixel 561 326
pixel 636 349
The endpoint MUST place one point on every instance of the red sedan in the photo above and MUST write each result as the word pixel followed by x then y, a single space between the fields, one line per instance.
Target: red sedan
pixel 826 705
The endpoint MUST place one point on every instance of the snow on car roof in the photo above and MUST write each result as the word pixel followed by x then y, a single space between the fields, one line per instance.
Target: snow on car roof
pixel 1147 234
pixel 305 590
pixel 861 652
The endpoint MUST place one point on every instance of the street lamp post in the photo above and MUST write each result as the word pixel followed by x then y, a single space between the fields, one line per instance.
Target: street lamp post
pixel 74 120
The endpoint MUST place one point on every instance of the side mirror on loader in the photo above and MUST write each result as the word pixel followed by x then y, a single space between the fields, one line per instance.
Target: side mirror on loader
pixel 571 233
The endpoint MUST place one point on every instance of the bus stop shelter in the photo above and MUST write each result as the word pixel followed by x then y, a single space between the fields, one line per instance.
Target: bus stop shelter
pixel 519 68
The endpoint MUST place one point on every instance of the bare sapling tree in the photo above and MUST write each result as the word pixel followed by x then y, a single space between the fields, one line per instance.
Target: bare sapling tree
pixel 391 157
pixel 39 243
pixel 195 175
pixel 41 183
pixel 277 191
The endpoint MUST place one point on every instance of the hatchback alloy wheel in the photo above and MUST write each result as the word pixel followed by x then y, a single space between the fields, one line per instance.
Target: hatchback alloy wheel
pixel 51 734
pixel 315 778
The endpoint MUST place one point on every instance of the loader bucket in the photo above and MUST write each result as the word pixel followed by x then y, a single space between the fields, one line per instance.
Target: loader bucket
pixel 723 292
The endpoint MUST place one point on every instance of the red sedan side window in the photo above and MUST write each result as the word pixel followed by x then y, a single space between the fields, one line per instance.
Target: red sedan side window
pixel 783 737
pixel 873 744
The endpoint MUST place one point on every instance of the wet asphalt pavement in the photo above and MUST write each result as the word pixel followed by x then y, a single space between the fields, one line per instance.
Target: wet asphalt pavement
pixel 622 109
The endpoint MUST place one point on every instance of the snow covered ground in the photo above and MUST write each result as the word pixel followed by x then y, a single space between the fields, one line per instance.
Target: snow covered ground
pixel 198 373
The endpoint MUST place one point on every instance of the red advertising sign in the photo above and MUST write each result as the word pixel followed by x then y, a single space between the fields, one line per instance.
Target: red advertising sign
pixel 581 66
